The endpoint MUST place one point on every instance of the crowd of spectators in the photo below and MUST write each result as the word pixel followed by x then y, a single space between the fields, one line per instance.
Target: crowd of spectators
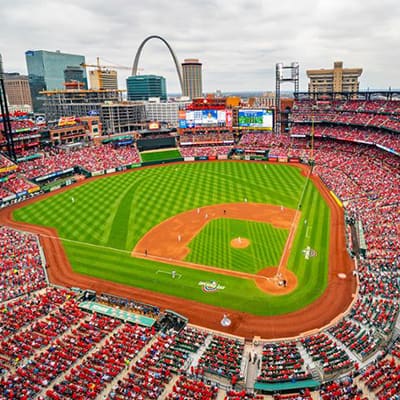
pixel 147 378
pixel 242 395
pixel 19 346
pixel 187 388
pixel 93 374
pixel 22 311
pixel 382 377
pixel 330 359
pixel 17 184
pixel 376 312
pixel 302 395
pixel 21 269
pixel 223 357
pixel 282 362
pixel 205 139
pixel 92 159
pixel 205 151
pixel 380 114
pixel 263 141
pixel 358 339
pixel 343 389
pixel 351 133
pixel 187 342
pixel 5 162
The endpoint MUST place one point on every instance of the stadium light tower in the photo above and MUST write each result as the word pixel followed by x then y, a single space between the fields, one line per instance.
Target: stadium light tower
pixel 281 76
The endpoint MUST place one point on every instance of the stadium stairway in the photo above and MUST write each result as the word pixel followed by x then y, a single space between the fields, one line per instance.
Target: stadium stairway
pixel 252 370
pixel 196 357
pixel 309 363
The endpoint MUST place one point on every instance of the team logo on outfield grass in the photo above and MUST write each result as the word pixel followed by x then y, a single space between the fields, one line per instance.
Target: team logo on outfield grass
pixel 210 286
pixel 309 252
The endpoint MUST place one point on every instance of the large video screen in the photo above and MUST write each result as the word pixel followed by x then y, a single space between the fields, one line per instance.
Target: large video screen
pixel 203 118
pixel 256 119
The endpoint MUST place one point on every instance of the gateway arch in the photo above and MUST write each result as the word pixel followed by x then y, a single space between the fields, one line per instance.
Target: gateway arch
pixel 139 51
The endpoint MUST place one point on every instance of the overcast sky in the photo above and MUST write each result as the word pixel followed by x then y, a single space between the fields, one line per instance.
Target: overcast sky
pixel 238 41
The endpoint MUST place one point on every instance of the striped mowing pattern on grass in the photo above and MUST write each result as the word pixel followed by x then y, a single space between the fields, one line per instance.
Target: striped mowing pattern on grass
pixel 212 245
pixel 116 211
pixel 160 155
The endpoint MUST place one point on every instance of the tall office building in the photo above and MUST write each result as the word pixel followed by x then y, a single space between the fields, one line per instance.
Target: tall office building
pixel 192 78
pixel 337 80
pixel 17 89
pixel 142 87
pixel 46 72
pixel 103 79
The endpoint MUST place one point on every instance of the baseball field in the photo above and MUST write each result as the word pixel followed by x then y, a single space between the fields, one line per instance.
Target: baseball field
pixel 234 224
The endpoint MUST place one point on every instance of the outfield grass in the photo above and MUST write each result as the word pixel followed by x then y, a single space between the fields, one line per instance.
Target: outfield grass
pixel 160 155
pixel 212 246
pixel 109 215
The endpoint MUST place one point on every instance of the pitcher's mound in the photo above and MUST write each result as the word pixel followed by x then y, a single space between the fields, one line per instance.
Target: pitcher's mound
pixel 240 243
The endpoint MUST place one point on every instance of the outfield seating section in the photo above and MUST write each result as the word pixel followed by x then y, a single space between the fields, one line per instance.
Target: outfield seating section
pixel 205 151
pixel 92 159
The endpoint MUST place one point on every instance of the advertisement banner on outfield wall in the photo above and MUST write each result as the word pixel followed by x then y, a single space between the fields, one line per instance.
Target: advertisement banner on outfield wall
pixel 9 198
pixel 282 159
pixel 134 166
pixel 189 158
pixel 97 173
pixel 110 170
pixel 222 157
pixel 294 159
pixel 34 189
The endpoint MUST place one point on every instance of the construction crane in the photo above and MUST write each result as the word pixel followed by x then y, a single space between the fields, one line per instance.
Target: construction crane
pixel 102 69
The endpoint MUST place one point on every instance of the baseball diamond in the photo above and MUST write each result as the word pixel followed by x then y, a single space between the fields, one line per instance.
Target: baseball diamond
pixel 121 229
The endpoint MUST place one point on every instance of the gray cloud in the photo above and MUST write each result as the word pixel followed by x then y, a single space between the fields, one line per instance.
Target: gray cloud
pixel 238 41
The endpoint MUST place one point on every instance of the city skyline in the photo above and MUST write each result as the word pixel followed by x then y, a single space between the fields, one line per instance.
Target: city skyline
pixel 238 42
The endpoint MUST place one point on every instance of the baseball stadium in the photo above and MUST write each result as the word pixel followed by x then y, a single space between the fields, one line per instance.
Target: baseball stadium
pixel 220 260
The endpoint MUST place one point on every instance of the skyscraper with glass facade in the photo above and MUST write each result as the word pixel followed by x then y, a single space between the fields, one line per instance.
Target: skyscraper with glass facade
pixel 141 87
pixel 46 72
